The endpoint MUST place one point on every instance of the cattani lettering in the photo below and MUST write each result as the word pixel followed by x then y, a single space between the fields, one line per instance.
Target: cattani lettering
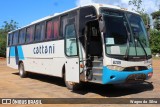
pixel 44 49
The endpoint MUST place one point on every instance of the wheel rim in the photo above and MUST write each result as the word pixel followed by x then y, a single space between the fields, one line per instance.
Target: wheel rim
pixel 21 70
pixel 70 83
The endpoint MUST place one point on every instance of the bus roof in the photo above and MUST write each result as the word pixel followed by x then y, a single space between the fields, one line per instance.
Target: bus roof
pixel 97 6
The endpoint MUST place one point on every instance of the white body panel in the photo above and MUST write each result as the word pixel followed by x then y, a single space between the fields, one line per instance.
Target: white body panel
pixel 45 58
pixel 72 70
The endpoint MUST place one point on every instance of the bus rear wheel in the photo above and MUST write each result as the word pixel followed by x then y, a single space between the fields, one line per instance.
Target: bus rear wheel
pixel 22 72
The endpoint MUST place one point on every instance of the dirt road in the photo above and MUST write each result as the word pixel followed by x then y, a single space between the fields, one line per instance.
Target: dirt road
pixel 40 86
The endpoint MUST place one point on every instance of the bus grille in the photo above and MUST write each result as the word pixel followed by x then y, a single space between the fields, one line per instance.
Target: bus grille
pixel 136 78
pixel 135 68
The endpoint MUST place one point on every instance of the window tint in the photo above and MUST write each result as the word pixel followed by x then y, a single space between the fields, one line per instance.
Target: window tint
pixel 15 38
pixel 22 36
pixel 10 39
pixel 56 30
pixel 52 29
pixel 70 41
pixel 42 31
pixel 39 33
pixel 63 24
pixel 30 34
pixel 49 31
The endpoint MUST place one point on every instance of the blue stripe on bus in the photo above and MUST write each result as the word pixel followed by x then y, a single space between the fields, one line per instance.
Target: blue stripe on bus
pixel 17 52
pixel 115 77
pixel 12 51
pixel 20 53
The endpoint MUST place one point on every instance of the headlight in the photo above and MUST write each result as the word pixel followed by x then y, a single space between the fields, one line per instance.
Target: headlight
pixel 149 66
pixel 116 68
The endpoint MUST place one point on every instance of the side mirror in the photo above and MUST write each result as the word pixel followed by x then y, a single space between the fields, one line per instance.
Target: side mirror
pixel 101 23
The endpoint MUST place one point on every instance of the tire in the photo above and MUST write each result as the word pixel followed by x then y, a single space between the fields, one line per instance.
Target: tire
pixel 71 85
pixel 22 72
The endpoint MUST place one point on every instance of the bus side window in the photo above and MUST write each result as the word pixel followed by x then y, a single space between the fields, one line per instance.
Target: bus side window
pixel 55 29
pixel 30 34
pixel 22 36
pixel 42 31
pixel 37 32
pixel 64 22
pixel 15 38
pixel 10 39
pixel 49 32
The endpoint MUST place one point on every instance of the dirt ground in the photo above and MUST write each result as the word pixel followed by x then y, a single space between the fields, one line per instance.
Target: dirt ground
pixel 40 86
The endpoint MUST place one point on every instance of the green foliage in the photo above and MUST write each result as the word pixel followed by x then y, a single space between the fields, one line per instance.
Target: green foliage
pixel 155 15
pixel 137 7
pixel 145 18
pixel 157 24
pixel 155 41
pixel 7 27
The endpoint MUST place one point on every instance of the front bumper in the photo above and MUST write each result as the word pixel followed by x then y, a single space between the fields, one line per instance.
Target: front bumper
pixel 116 77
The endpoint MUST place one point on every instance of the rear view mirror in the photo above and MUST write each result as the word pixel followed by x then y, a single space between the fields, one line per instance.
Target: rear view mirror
pixel 101 23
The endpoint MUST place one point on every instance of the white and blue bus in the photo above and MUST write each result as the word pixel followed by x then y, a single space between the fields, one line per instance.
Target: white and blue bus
pixel 94 43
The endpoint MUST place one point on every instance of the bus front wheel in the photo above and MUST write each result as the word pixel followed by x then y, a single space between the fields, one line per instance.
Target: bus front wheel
pixel 22 72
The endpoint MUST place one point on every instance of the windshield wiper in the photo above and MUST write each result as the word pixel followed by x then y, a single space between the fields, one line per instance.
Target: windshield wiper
pixel 128 45
pixel 136 36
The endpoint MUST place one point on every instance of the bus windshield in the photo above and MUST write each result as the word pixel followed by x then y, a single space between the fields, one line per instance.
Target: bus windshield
pixel 121 28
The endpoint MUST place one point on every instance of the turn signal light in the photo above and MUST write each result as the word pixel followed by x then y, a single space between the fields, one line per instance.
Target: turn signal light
pixel 81 65
pixel 150 75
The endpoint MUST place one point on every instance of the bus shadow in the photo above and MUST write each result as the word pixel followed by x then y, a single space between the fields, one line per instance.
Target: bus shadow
pixel 103 90
pixel 115 90
pixel 45 78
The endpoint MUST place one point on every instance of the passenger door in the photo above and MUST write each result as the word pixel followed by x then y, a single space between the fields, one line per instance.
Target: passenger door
pixel 71 50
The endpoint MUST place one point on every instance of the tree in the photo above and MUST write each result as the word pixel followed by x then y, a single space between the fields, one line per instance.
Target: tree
pixel 7 27
pixel 145 18
pixel 155 41
pixel 156 18
pixel 137 5
pixel 137 8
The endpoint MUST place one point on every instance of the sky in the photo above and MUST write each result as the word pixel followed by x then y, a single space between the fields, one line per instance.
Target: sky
pixel 26 11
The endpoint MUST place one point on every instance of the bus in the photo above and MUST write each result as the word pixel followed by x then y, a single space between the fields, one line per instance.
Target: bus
pixel 95 43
